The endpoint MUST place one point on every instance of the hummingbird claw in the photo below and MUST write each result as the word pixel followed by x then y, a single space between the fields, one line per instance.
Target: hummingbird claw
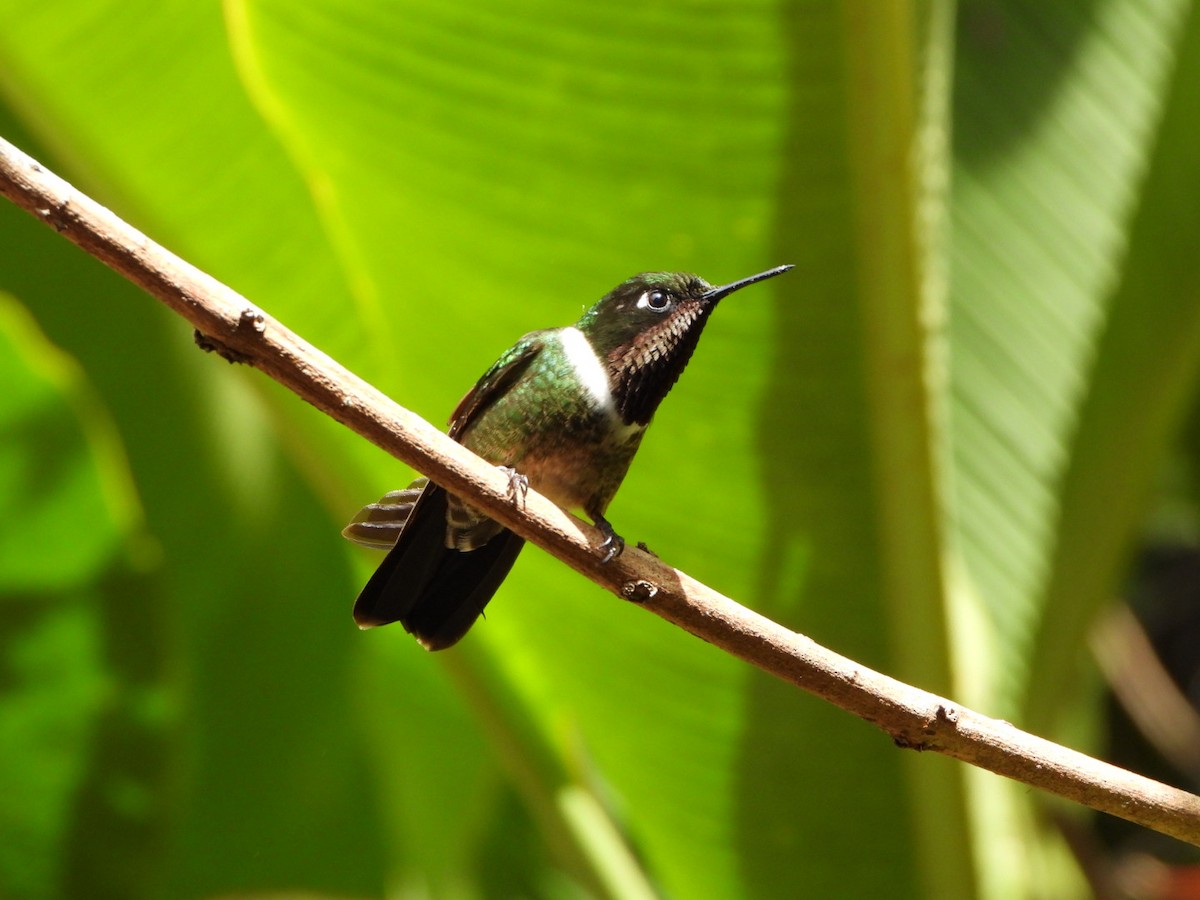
pixel 518 485
pixel 613 544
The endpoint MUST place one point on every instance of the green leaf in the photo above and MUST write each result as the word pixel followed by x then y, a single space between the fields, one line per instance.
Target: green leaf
pixel 66 508
pixel 65 498
pixel 565 158
pixel 1127 425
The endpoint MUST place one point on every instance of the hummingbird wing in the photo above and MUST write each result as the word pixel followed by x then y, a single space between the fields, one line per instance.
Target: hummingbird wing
pixel 434 591
pixel 495 382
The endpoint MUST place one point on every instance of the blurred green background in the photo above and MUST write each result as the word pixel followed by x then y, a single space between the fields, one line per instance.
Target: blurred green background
pixel 932 447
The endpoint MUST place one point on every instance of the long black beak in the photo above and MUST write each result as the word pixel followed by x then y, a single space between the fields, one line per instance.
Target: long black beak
pixel 715 294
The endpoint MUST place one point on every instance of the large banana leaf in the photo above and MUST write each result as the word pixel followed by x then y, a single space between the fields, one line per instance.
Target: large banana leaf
pixel 903 448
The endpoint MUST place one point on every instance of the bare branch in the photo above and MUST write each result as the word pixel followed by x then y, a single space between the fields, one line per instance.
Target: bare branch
pixel 913 718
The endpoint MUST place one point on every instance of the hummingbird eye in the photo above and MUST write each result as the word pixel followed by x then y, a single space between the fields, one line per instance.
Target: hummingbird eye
pixel 656 301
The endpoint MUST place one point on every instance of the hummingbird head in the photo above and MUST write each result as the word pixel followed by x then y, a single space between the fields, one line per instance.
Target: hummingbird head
pixel 644 331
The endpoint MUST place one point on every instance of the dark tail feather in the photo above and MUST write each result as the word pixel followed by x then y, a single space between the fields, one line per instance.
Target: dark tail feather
pixel 398 582
pixel 461 587
pixel 434 592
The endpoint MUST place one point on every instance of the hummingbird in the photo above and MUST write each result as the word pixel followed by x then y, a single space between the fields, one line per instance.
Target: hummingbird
pixel 562 411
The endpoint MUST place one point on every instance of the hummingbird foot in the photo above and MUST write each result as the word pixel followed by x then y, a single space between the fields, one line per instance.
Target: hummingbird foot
pixel 613 544
pixel 518 485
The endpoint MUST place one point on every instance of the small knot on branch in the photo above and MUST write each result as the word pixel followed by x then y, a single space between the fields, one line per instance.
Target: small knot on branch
pixel 639 591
